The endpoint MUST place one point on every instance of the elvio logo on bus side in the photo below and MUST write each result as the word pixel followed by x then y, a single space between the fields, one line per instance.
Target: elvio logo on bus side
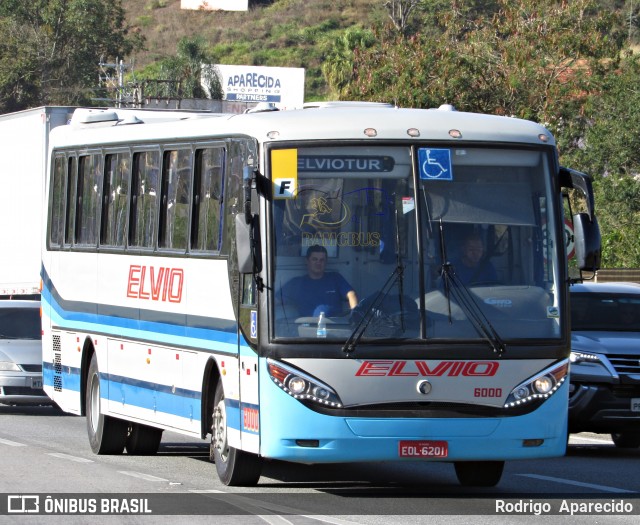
pixel 155 284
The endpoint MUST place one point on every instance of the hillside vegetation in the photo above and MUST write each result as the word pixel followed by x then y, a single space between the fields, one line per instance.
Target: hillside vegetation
pixel 285 33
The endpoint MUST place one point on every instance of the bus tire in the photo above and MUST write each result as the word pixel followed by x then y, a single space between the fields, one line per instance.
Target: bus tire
pixel 107 435
pixel 235 467
pixel 479 473
pixel 143 440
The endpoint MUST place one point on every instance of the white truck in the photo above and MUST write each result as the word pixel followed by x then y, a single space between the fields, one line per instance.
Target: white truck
pixel 24 138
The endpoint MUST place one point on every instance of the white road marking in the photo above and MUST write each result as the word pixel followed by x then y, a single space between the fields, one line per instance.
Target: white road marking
pixel 11 443
pixel 328 519
pixel 140 475
pixel 603 488
pixel 70 458
pixel 273 519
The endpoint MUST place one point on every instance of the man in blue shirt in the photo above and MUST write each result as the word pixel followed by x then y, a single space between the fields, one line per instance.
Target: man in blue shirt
pixel 472 267
pixel 318 291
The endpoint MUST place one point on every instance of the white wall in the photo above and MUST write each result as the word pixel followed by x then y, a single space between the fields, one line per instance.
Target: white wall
pixel 214 5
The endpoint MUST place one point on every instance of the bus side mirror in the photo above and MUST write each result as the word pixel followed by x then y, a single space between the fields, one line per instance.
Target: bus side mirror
pixel 248 244
pixel 587 242
pixel 248 249
pixel 250 187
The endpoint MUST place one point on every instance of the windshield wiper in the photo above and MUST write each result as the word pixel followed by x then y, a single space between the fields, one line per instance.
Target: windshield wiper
pixel 374 307
pixel 464 298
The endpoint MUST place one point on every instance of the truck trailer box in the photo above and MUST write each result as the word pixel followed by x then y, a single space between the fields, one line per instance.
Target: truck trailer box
pixel 24 144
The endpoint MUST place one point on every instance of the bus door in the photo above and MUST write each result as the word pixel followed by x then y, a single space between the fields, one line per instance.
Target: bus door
pixel 248 366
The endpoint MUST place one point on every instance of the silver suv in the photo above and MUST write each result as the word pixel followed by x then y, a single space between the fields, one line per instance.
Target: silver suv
pixel 21 353
pixel 604 394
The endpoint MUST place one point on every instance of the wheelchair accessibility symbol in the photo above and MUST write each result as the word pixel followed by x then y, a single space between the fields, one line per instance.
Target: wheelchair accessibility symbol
pixel 254 325
pixel 435 164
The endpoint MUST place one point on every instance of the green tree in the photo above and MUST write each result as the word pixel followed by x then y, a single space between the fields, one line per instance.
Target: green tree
pixel 184 75
pixel 608 151
pixel 557 63
pixel 50 50
pixel 399 12
pixel 338 65
pixel 535 59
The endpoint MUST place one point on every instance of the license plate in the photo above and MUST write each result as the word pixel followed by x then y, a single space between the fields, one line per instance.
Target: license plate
pixel 423 449
pixel 36 383
pixel 635 404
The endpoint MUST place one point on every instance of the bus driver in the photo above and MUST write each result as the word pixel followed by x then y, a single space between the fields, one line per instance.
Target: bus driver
pixel 472 267
pixel 318 291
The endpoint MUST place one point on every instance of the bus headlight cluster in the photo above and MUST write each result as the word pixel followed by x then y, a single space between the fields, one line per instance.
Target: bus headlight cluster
pixel 540 386
pixel 302 386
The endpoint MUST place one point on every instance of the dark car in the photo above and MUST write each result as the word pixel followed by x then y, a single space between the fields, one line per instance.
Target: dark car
pixel 604 394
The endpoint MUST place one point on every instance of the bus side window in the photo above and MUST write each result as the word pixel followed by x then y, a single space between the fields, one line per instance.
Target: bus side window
pixel 56 237
pixel 144 199
pixel 72 188
pixel 249 296
pixel 174 209
pixel 207 199
pixel 115 199
pixel 88 199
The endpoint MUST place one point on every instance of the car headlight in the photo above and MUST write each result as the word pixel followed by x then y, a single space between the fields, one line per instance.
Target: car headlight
pixel 302 386
pixel 8 366
pixel 541 386
pixel 583 357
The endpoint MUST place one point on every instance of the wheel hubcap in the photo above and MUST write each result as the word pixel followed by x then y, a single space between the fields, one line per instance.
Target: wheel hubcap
pixel 220 431
pixel 94 392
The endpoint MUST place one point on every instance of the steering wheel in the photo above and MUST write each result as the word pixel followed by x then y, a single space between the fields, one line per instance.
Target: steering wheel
pixel 385 319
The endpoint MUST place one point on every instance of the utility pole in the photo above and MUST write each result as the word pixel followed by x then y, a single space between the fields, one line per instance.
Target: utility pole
pixel 107 79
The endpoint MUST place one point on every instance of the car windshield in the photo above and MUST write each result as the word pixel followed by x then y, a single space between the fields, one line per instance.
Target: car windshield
pixel 20 323
pixel 465 253
pixel 605 312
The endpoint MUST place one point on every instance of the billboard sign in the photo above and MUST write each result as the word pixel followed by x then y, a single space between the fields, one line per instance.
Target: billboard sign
pixel 283 86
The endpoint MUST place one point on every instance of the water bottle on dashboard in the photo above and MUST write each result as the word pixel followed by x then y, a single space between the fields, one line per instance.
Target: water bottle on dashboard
pixel 322 326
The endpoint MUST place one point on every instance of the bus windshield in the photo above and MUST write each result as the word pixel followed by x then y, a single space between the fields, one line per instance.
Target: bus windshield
pixel 414 243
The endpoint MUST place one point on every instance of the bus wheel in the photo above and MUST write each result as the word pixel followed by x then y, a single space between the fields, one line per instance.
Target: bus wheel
pixel 479 473
pixel 143 440
pixel 107 435
pixel 235 467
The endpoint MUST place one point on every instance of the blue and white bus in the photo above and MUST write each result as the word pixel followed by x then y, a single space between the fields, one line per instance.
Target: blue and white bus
pixel 172 239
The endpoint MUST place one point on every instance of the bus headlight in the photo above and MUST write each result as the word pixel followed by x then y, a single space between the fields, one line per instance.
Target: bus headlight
pixel 540 386
pixel 302 386
pixel 583 357
pixel 297 385
pixel 544 385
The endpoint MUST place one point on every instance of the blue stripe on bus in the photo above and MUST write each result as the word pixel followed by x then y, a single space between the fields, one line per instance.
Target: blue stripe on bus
pixel 151 396
pixel 143 394
pixel 159 332
pixel 138 393
pixel 148 395
pixel 69 377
